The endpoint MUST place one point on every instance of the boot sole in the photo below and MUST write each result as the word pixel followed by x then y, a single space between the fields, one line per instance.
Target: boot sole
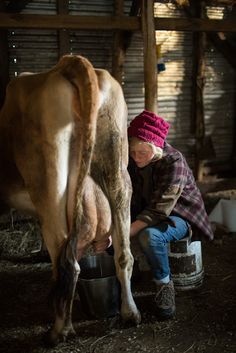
pixel 165 314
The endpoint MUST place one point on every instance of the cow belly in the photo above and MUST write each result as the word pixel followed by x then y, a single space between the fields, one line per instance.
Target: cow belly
pixel 21 201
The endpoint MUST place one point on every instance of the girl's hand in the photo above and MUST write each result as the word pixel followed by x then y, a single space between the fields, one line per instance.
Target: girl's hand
pixel 136 226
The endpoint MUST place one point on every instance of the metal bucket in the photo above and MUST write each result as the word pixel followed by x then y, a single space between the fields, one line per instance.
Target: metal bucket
pixel 185 258
pixel 98 287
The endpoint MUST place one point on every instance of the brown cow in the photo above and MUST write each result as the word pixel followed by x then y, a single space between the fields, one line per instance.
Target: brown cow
pixel 63 156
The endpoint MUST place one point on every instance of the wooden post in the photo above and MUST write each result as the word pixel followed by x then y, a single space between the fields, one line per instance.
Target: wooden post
pixel 149 55
pixel 233 158
pixel 199 43
pixel 63 35
pixel 16 6
pixel 4 66
pixel 118 56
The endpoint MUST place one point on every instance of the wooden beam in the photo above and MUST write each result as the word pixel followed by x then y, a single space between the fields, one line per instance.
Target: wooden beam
pixel 4 65
pixel 69 22
pixel 16 6
pixel 122 39
pixel 224 47
pixel 63 6
pixel 63 35
pixel 195 25
pixel 135 9
pixel 149 55
pixel 221 2
pixel 233 157
pixel 131 23
pixel 118 56
pixel 199 44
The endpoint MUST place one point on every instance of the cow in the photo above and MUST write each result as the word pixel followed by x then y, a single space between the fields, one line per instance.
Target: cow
pixel 63 158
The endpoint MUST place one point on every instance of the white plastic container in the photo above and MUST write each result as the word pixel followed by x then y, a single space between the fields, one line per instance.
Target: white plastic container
pixel 225 213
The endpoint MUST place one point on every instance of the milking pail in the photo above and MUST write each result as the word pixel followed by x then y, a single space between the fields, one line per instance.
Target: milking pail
pixel 98 287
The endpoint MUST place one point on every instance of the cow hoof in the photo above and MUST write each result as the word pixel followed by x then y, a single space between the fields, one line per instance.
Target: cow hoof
pixel 132 317
pixel 53 338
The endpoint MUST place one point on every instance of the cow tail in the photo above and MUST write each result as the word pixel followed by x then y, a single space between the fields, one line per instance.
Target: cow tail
pixel 81 74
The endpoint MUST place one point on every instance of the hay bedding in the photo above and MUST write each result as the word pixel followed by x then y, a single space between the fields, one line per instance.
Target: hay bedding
pixel 20 239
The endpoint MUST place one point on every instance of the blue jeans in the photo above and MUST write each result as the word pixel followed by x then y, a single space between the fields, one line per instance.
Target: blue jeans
pixel 154 243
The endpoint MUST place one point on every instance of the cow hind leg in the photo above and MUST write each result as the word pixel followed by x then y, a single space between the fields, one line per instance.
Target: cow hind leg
pixel 63 295
pixel 65 274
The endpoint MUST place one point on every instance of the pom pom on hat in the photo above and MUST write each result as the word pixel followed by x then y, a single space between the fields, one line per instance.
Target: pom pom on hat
pixel 149 127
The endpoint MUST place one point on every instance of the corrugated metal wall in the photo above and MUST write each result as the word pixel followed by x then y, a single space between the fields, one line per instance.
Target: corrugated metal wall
pixel 133 76
pixel 33 50
pixel 174 84
pixel 174 90
pixel 219 99
pixel 95 45
pixel 37 50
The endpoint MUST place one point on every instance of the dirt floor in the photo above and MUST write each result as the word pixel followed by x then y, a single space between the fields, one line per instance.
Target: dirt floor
pixel 204 323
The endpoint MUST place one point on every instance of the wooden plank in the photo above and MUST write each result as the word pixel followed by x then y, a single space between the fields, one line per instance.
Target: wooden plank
pixel 63 35
pixel 233 159
pixel 199 44
pixel 224 47
pixel 16 6
pixel 118 56
pixel 131 23
pixel 69 22
pixel 63 6
pixel 118 53
pixel 149 55
pixel 135 9
pixel 4 66
pixel 195 24
pixel 119 7
pixel 220 2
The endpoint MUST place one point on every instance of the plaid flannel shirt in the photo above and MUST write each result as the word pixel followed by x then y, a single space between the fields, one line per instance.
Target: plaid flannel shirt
pixel 167 187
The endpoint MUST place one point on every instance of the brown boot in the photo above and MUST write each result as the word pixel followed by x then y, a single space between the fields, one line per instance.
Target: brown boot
pixel 165 300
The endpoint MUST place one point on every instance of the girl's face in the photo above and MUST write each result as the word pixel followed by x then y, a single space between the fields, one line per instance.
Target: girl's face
pixel 141 153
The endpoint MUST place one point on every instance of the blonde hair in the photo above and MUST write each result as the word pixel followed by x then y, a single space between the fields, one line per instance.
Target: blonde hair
pixel 158 151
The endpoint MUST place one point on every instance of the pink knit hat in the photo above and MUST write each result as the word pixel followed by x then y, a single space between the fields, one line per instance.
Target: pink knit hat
pixel 149 127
